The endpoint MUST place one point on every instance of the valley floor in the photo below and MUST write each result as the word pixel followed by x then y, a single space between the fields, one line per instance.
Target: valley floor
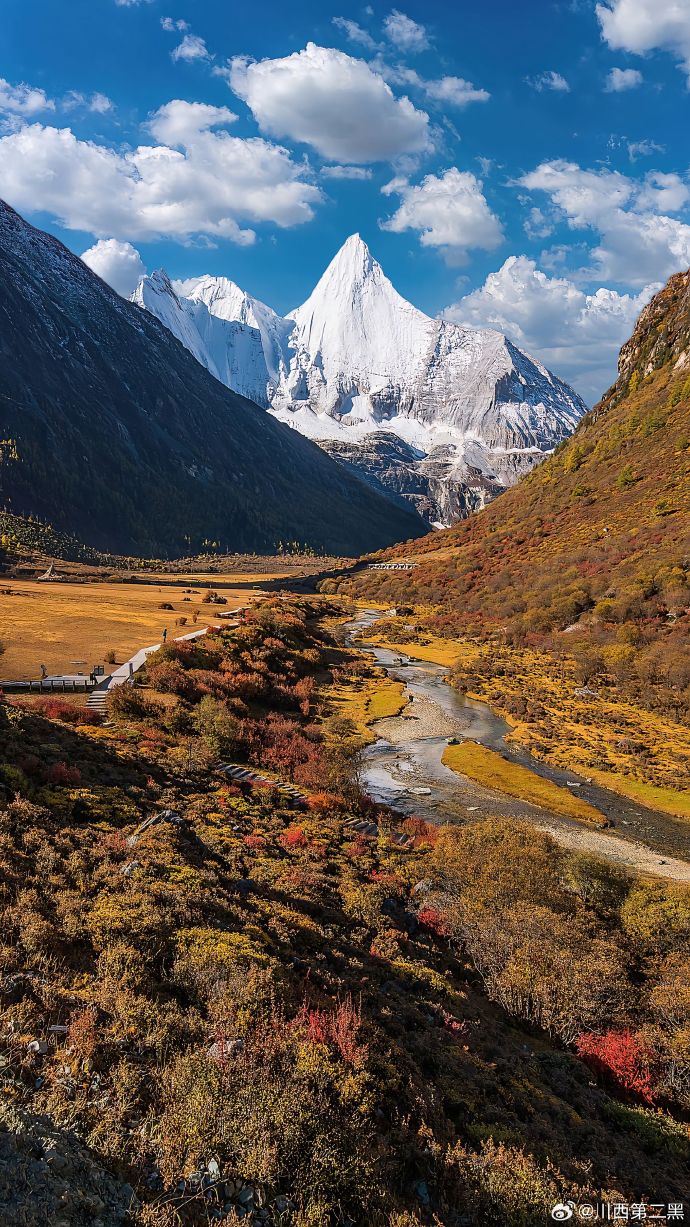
pixel 223 1002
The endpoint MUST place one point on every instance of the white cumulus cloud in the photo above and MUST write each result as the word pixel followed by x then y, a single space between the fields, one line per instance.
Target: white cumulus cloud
pixel 454 91
pixel 643 149
pixel 549 80
pixel 407 35
pixel 210 187
pixel 117 263
pixel 178 122
pixel 621 79
pixel 576 334
pixel 191 48
pixel 355 32
pixel 641 26
pixel 449 211
pixel 23 99
pixel 638 241
pixel 331 101
pixel 345 172
pixel 98 103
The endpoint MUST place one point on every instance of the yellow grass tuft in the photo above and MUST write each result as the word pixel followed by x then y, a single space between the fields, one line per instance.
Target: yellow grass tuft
pixel 491 770
pixel 376 698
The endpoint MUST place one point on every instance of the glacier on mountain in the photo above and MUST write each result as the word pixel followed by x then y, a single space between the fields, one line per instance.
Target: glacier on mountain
pixel 362 372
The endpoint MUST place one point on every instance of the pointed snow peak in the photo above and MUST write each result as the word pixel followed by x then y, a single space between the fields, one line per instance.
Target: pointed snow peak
pixel 354 262
pixel 353 284
pixel 160 278
pixel 157 282
pixel 356 247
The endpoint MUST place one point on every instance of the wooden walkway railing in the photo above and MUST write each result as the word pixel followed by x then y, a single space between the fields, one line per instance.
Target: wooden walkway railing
pixel 52 686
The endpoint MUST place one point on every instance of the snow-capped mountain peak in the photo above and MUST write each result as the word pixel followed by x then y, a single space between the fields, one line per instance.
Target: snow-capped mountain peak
pixel 358 362
pixel 235 336
pixel 354 337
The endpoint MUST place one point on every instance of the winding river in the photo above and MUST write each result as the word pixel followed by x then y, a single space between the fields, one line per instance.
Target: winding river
pixel 403 769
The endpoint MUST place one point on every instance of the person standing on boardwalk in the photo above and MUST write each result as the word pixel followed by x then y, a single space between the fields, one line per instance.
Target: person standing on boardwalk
pixel 165 634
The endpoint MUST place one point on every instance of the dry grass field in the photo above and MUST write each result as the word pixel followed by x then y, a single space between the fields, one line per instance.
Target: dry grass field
pixel 58 624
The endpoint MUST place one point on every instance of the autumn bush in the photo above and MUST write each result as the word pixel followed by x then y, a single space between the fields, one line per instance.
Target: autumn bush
pixel 656 917
pixel 621 1056
pixel 68 713
pixel 283 1103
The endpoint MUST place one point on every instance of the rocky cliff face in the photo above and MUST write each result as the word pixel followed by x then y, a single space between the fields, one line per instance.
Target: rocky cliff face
pixel 440 490
pixel 356 360
pixel 662 333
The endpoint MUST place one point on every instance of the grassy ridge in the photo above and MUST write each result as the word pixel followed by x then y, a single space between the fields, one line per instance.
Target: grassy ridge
pixel 579 577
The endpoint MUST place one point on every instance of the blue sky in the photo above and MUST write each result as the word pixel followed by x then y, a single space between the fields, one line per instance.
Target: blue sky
pixel 521 166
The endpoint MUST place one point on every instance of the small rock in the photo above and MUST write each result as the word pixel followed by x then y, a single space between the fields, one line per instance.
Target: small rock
pixel 169 815
pixel 423 887
pixel 422 1192
pixel 38 1048
pixel 213 1169
pixel 222 1050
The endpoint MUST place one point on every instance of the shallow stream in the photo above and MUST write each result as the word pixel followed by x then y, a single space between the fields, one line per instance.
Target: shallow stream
pixel 403 768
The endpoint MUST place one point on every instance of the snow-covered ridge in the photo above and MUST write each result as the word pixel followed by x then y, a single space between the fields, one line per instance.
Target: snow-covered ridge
pixel 356 359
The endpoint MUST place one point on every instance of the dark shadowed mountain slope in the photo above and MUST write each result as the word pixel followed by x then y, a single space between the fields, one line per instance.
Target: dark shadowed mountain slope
pixel 111 430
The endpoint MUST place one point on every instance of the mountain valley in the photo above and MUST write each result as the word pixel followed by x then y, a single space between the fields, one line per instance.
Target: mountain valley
pixel 569 597
pixel 443 416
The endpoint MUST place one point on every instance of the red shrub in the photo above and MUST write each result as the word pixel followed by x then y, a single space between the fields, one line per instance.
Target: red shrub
pixel 339 1028
pixel 304 690
pixel 254 842
pixel 82 1036
pixel 115 843
pixel 282 745
pixel 359 848
pixel 62 773
pixel 620 1056
pixel 453 1024
pixel 293 837
pixel 325 802
pixel 420 832
pixel 388 879
pixel 228 790
pixel 433 921
pixel 68 713
pixel 172 678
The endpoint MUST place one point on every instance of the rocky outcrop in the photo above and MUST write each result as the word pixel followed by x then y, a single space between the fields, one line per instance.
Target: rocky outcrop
pixel 662 333
pixel 47 1176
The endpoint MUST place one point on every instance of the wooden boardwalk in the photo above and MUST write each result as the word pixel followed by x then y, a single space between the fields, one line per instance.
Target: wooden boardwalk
pixel 98 699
